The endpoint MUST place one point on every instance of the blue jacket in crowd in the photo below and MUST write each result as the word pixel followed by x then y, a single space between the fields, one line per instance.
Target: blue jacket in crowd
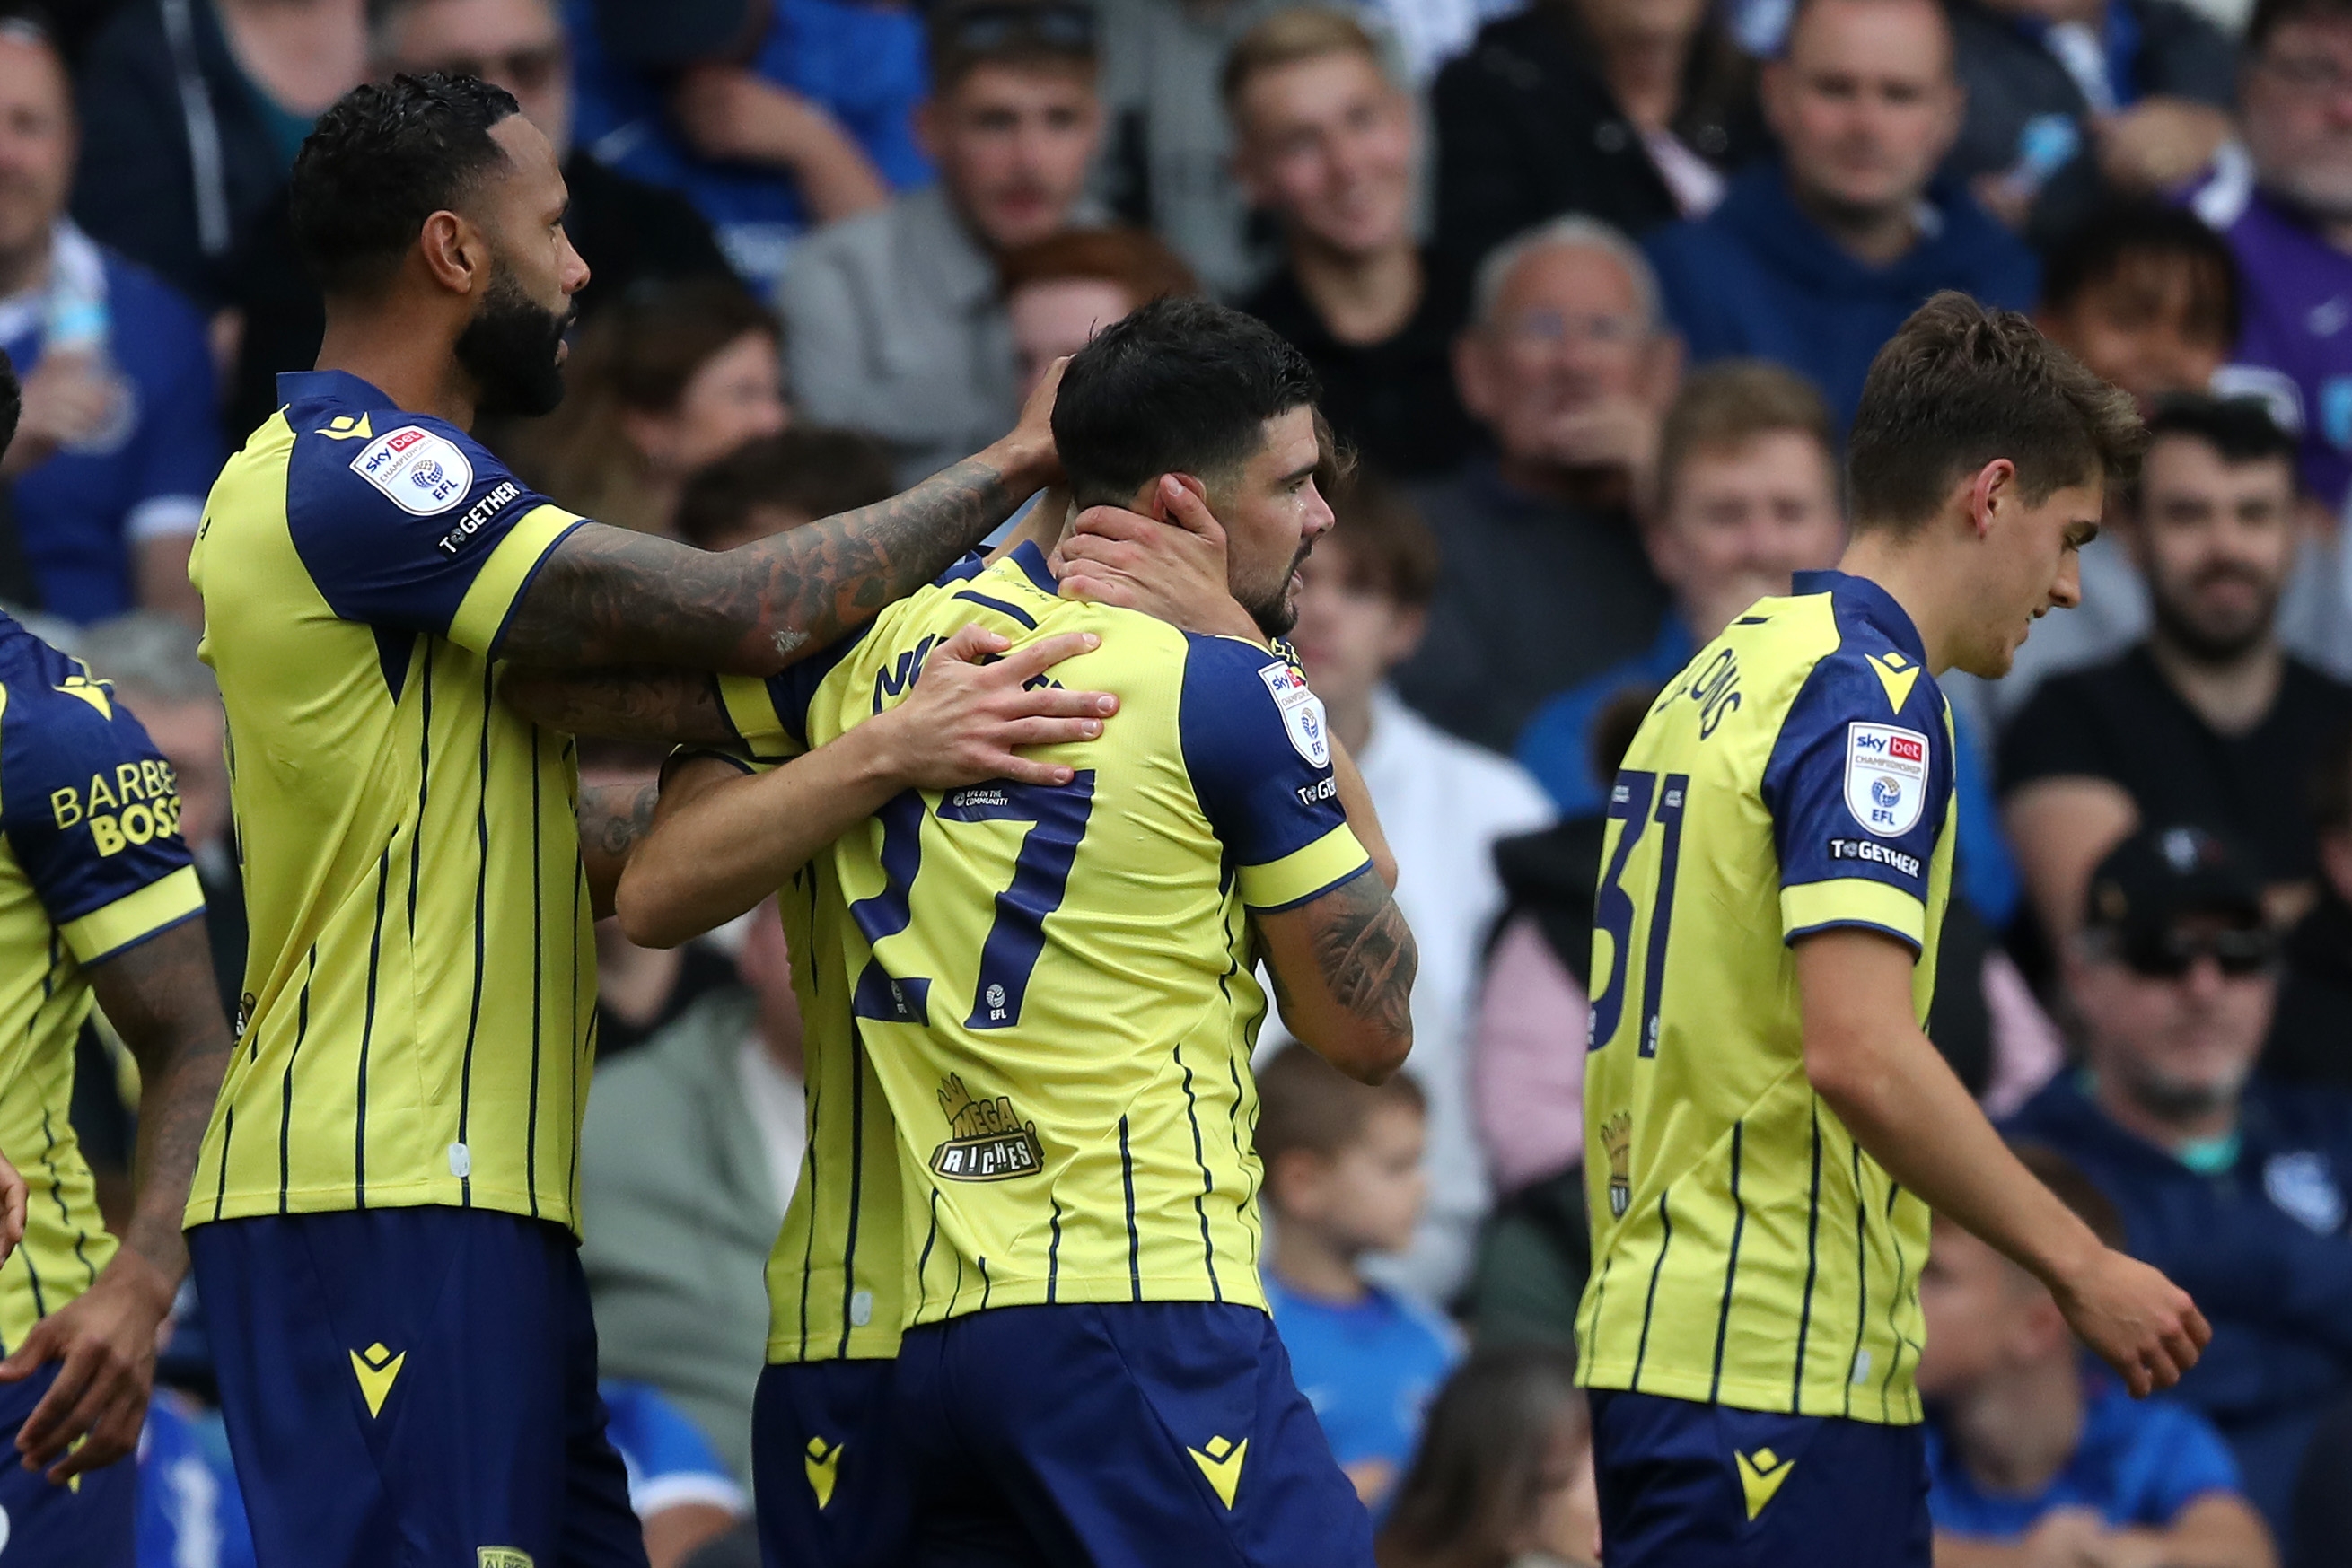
pixel 1757 277
pixel 2259 1239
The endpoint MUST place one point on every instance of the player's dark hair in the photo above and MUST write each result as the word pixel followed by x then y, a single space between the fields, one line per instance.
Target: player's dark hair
pixel 2240 429
pixel 1306 1104
pixel 1960 385
pixel 1478 1479
pixel 1179 386
pixel 1381 543
pixel 384 158
pixel 2269 15
pixel 2128 237
pixel 808 470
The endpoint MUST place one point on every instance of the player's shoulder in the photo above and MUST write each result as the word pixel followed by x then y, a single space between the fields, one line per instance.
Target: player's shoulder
pixel 1857 658
pixel 352 446
pixel 60 725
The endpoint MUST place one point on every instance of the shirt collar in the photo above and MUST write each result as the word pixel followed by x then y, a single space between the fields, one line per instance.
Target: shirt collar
pixel 1031 562
pixel 331 386
pixel 1877 606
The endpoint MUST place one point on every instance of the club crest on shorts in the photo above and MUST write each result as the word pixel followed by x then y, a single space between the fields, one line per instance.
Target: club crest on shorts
pixel 421 473
pixel 1301 710
pixel 987 1139
pixel 1886 778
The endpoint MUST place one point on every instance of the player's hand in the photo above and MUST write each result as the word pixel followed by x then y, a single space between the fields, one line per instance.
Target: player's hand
pixel 1028 456
pixel 1173 571
pixel 106 1341
pixel 971 710
pixel 12 1209
pixel 2135 1320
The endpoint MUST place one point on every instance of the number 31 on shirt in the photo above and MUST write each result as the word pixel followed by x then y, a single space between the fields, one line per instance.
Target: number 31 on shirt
pixel 1630 802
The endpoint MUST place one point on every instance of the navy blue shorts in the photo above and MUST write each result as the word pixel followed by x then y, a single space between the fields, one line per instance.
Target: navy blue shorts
pixel 1685 1484
pixel 1135 1434
pixel 828 1474
pixel 86 1524
pixel 407 1385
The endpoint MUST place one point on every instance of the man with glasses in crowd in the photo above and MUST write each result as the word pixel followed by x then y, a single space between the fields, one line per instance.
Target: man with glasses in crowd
pixel 2230 1184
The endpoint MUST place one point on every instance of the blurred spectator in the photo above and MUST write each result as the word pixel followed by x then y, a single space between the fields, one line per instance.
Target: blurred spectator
pixel 1544 584
pixel 1443 804
pixel 1503 1479
pixel 116 447
pixel 2033 1458
pixel 1632 111
pixel 626 230
pixel 1325 142
pixel 2208 721
pixel 2147 296
pixel 896 326
pixel 2073 101
pixel 780 481
pixel 1061 290
pixel 1343 1178
pixel 1746 493
pixel 690 1150
pixel 2311 1041
pixel 669 379
pixel 192 111
pixel 2285 206
pixel 2230 1184
pixel 771 116
pixel 151 660
pixel 1814 260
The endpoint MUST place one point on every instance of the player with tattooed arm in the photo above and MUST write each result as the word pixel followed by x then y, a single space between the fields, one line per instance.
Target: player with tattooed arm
pixel 381 1223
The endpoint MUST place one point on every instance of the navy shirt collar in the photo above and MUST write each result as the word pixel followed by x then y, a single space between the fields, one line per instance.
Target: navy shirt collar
pixel 1877 606
pixel 1031 562
pixel 331 386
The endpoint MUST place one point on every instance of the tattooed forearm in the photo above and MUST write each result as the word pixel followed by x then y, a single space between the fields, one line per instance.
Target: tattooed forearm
pixel 657 705
pixel 1366 953
pixel 614 821
pixel 608 596
pixel 160 997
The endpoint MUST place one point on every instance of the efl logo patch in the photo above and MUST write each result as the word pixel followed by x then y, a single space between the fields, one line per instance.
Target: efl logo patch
pixel 424 474
pixel 1886 778
pixel 1301 710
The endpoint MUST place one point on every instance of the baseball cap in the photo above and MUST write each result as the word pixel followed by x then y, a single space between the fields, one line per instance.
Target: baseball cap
pixel 2153 880
pixel 664 35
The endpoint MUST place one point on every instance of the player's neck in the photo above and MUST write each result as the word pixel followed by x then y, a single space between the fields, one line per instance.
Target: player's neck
pixel 1309 1265
pixel 1912 576
pixel 412 367
pixel 2017 1431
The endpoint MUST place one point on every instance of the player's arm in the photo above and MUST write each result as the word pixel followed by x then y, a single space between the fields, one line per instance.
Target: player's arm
pixel 1343 966
pixel 1871 1063
pixel 614 820
pixel 159 996
pixel 722 840
pixel 605 596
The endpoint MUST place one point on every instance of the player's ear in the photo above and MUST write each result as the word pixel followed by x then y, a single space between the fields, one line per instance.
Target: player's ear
pixel 1991 487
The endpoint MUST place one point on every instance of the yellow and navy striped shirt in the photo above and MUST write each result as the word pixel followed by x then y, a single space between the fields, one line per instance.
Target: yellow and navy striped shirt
pixel 418 1021
pixel 1054 988
pixel 91 864
pixel 1796 776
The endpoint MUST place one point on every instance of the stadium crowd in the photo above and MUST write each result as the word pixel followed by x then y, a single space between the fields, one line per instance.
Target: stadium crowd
pixel 1592 287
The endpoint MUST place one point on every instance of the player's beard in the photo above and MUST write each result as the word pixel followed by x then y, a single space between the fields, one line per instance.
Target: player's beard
pixel 512 348
pixel 1275 611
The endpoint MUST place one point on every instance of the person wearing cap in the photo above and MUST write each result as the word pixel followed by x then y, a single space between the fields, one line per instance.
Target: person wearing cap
pixel 772 118
pixel 895 320
pixel 2232 1184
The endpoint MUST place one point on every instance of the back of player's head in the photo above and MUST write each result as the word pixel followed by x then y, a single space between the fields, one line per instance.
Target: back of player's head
pixel 2240 430
pixel 1180 386
pixel 1488 1447
pixel 1308 1106
pixel 384 158
pixel 1960 385
pixel 805 472
pixel 2128 236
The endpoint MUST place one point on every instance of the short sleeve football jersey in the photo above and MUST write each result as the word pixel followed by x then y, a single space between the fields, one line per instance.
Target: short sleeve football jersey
pixel 417 1018
pixel 1797 776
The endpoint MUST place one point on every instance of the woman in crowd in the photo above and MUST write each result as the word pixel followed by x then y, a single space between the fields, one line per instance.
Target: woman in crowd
pixel 1503 1479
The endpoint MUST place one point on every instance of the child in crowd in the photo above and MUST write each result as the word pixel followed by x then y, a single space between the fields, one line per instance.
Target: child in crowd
pixel 1343 1178
pixel 2035 1458
pixel 1503 1479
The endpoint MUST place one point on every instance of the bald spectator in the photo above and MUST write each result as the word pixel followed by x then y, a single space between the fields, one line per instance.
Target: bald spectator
pixel 1544 582
pixel 1814 259
pixel 895 322
pixel 1325 142
pixel 1061 290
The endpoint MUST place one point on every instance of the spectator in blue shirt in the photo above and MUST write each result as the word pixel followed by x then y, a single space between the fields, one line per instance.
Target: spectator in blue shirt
pixel 117 446
pixel 1816 258
pixel 2034 1460
pixel 1343 1178
pixel 2232 1185
pixel 770 119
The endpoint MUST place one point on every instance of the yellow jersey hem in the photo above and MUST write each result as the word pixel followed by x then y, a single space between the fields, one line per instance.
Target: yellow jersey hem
pixel 205 1209
pixel 1107 1289
pixel 874 1344
pixel 1901 1406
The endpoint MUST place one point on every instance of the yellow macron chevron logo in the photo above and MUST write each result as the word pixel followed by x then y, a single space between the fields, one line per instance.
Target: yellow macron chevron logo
pixel 503 1557
pixel 823 1465
pixel 1222 1463
pixel 375 1368
pixel 1761 1475
pixel 97 694
pixel 344 427
pixel 1896 673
